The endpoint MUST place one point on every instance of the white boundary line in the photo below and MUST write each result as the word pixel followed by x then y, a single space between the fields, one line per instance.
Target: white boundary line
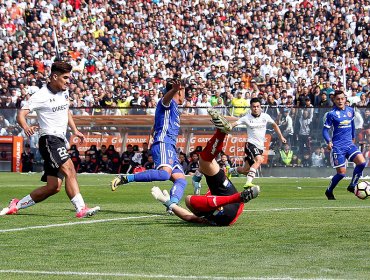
pixel 76 273
pixel 152 216
pixel 78 223
pixel 306 208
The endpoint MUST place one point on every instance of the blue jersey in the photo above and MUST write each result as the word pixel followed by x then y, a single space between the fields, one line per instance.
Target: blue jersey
pixel 166 123
pixel 343 125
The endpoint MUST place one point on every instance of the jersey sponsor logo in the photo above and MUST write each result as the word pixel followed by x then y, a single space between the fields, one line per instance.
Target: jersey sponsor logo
pixel 52 100
pixel 60 108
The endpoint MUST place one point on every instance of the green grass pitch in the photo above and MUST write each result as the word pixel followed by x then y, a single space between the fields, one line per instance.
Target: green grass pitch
pixel 290 231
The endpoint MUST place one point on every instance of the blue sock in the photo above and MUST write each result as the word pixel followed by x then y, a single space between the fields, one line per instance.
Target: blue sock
pixel 149 176
pixel 335 180
pixel 357 173
pixel 177 190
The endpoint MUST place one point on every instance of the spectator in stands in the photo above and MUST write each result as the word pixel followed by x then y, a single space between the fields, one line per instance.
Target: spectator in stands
pixel 105 165
pixel 193 165
pixel 224 162
pixel 286 126
pixel 203 104
pixel 304 131
pixel 318 157
pixel 306 161
pixel 296 161
pixel 102 151
pixel 149 164
pixel 27 159
pixel 115 158
pixel 75 157
pixel 239 104
pixel 88 166
pixel 183 161
pixel 145 152
pixel 126 158
pixel 93 153
pixel 286 156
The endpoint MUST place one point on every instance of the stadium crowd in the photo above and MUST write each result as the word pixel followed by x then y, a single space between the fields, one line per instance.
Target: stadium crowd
pixel 290 54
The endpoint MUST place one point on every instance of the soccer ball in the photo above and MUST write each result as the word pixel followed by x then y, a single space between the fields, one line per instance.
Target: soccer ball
pixel 362 190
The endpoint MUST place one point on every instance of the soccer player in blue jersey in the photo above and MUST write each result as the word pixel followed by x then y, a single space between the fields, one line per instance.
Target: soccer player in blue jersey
pixel 165 131
pixel 341 145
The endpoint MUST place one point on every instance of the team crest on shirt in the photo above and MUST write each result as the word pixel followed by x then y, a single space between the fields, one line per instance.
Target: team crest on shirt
pixel 170 161
pixel 66 97
pixel 349 114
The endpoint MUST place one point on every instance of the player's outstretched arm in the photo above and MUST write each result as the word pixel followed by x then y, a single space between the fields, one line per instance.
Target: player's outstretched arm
pixel 73 127
pixel 182 213
pixel 176 86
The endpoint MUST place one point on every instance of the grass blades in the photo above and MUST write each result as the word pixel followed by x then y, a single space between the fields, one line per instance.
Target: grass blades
pixel 290 231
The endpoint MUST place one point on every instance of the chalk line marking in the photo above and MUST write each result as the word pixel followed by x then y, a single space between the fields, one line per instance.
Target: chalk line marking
pixel 78 223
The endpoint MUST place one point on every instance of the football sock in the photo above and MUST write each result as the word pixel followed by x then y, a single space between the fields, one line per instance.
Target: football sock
pixel 177 190
pixel 78 202
pixel 25 202
pixel 357 173
pixel 214 146
pixel 207 203
pixel 335 180
pixel 251 174
pixel 149 176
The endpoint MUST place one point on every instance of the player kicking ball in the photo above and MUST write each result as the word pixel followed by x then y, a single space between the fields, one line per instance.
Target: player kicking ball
pixel 51 103
pixel 222 204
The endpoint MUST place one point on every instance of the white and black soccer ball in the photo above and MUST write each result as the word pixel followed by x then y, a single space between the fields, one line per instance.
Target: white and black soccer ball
pixel 362 190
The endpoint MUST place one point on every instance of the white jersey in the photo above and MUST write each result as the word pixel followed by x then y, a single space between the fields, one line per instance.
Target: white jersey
pixel 256 128
pixel 52 111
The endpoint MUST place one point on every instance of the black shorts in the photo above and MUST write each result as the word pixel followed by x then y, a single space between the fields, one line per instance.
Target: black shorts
pixel 251 151
pixel 220 185
pixel 54 152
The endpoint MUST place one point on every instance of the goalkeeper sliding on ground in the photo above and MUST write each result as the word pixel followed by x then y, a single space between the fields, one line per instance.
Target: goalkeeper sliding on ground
pixel 222 204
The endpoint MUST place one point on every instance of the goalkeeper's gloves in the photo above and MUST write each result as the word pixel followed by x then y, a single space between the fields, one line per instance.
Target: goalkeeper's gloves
pixel 163 197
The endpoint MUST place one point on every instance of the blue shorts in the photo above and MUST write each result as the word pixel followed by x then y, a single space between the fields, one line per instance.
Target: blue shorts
pixel 165 155
pixel 338 156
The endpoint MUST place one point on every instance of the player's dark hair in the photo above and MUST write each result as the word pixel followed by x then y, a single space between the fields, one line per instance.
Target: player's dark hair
pixel 337 92
pixel 255 100
pixel 61 67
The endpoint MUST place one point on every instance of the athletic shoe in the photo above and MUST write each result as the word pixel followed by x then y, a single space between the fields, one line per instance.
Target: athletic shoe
pixel 250 193
pixel 329 195
pixel 351 189
pixel 219 121
pixel 11 209
pixel 119 180
pixel 87 212
pixel 249 185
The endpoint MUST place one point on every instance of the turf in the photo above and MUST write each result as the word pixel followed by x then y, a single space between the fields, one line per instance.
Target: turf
pixel 290 231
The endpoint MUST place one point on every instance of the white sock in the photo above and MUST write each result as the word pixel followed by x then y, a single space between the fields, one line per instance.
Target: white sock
pixel 25 202
pixel 78 202
pixel 251 174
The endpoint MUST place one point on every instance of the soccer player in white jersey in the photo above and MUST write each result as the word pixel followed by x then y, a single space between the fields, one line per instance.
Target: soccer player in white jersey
pixel 51 104
pixel 256 122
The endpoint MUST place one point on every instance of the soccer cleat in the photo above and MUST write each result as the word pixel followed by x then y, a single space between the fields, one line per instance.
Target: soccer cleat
pixel 219 121
pixel 119 180
pixel 329 195
pixel 87 212
pixel 249 185
pixel 11 209
pixel 351 189
pixel 250 193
